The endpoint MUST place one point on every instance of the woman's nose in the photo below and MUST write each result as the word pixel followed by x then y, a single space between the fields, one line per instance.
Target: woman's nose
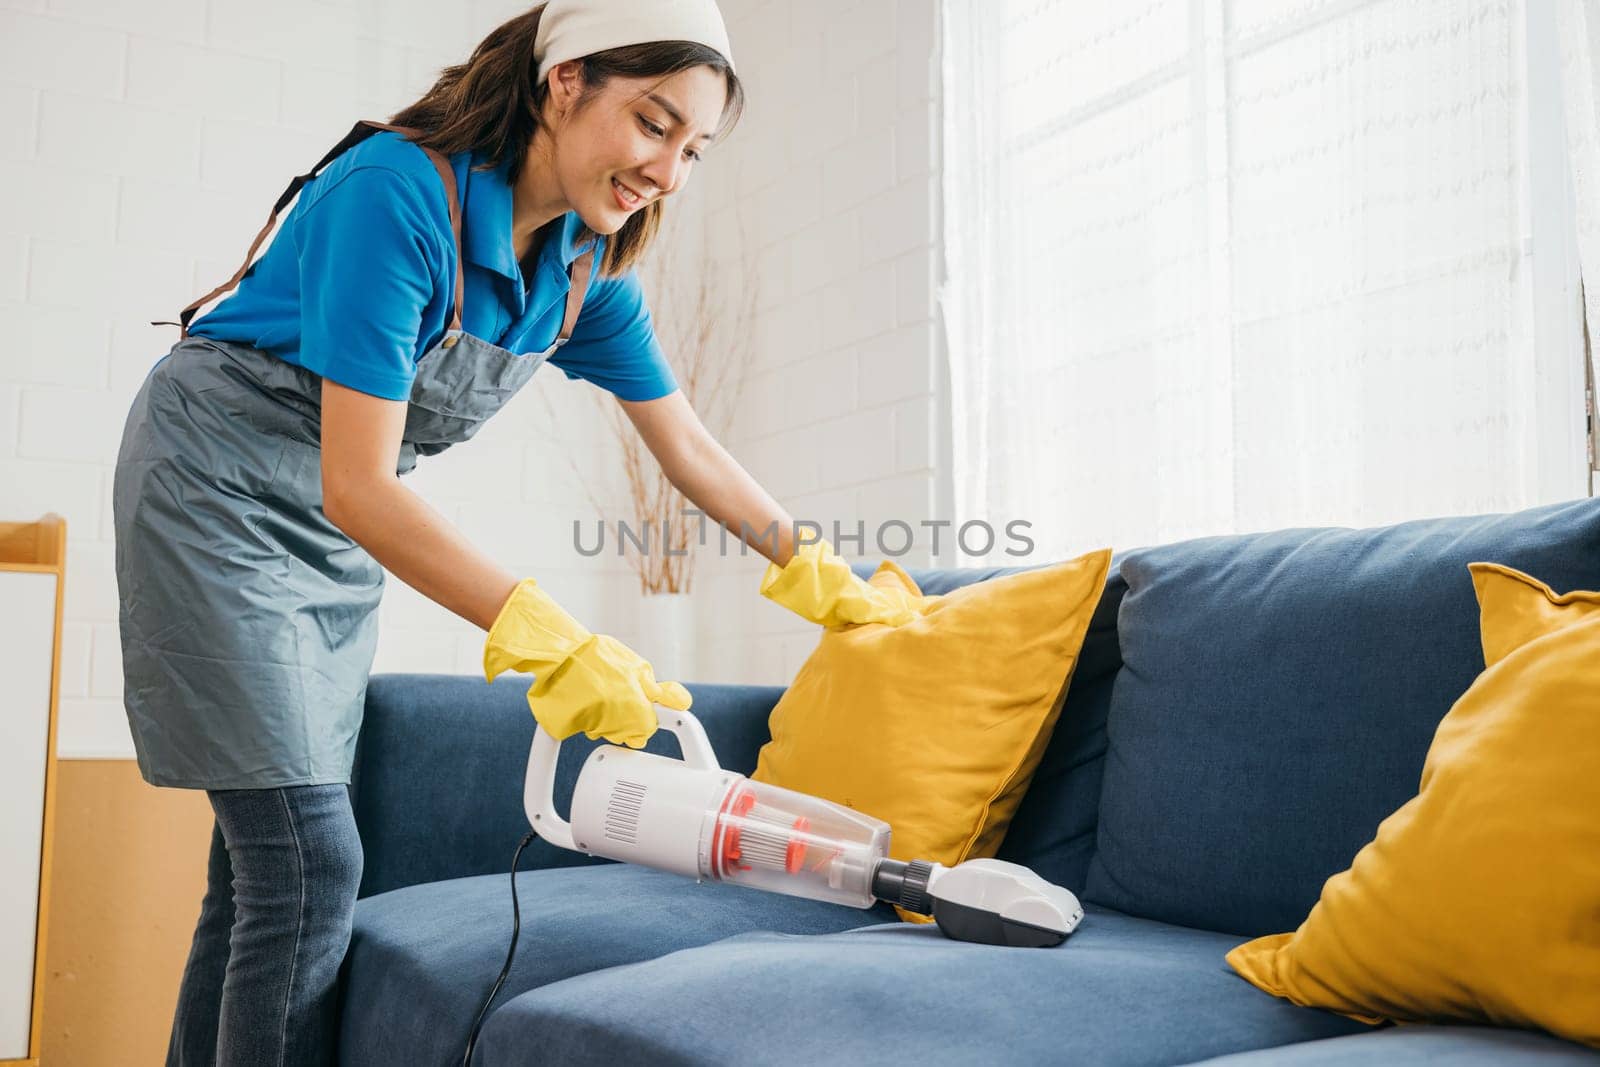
pixel 664 170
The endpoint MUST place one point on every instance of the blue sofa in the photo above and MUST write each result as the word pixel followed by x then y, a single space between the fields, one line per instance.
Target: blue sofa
pixel 1246 711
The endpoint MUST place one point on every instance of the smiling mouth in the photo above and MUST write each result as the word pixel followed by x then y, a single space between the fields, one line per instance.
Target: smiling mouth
pixel 627 196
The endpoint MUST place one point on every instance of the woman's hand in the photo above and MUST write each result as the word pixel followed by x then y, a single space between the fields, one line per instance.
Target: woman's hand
pixel 817 585
pixel 583 682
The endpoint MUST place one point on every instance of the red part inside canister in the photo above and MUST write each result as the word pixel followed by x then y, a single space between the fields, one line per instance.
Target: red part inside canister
pixel 796 853
pixel 728 852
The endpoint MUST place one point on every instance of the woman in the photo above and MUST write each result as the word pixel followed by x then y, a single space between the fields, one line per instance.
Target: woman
pixel 426 271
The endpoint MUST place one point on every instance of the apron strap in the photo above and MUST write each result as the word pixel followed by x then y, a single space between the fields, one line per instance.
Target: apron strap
pixel 358 133
pixel 580 285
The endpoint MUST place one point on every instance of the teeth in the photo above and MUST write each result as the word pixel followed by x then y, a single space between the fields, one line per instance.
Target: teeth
pixel 627 193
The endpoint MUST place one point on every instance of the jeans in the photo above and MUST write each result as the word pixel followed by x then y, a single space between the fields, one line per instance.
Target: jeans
pixel 261 983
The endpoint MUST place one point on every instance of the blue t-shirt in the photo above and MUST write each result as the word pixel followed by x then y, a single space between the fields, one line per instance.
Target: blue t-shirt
pixel 357 283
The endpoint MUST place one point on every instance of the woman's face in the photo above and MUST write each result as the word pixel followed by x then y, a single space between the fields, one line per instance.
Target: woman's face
pixel 634 142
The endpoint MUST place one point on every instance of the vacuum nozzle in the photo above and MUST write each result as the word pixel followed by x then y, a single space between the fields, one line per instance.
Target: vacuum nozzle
pixel 904 884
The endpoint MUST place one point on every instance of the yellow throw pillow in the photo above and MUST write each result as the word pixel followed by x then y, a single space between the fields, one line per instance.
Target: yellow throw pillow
pixel 936 726
pixel 1479 899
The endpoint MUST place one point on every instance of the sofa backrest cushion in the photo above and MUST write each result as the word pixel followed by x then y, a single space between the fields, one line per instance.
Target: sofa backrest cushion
pixel 437 783
pixel 1278 694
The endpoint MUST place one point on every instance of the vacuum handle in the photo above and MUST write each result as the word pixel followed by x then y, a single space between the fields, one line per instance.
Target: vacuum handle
pixel 538 791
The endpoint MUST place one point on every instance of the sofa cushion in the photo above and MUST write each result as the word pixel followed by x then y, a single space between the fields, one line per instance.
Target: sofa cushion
pixel 1120 990
pixel 422 958
pixel 1278 697
pixel 1459 1046
pixel 1053 830
pixel 1425 925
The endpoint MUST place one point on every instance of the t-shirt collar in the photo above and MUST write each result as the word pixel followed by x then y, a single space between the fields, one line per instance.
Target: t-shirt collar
pixel 486 226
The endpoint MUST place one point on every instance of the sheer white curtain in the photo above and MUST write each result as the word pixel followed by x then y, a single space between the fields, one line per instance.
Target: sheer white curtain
pixel 1217 266
pixel 1578 29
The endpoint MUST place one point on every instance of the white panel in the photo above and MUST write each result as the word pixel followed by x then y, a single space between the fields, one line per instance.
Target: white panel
pixel 27 629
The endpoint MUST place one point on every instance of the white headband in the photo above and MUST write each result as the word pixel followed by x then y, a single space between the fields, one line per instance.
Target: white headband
pixel 571 29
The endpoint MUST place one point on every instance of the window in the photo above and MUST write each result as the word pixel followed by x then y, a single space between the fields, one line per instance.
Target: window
pixel 1217 266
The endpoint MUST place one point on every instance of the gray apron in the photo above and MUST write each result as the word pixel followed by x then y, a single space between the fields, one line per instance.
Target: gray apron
pixel 248 620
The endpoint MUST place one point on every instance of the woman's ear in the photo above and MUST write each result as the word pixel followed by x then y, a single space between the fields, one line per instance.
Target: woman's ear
pixel 566 85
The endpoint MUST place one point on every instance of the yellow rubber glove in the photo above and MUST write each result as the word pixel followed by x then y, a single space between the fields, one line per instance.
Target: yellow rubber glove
pixel 582 681
pixel 818 585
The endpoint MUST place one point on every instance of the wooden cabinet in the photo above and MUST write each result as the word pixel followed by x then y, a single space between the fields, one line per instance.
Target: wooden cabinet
pixel 32 579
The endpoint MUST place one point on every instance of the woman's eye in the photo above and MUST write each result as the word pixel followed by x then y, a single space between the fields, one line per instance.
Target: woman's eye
pixel 657 131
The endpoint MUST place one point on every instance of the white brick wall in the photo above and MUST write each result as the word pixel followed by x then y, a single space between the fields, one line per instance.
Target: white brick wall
pixel 136 174
pixel 832 176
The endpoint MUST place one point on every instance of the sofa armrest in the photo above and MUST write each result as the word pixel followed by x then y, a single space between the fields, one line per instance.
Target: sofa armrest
pixel 440 763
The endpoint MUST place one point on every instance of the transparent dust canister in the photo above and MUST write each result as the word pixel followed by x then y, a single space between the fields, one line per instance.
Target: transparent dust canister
pixel 767 837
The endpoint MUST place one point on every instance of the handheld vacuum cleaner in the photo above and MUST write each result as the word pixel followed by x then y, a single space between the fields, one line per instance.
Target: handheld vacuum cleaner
pixel 694 818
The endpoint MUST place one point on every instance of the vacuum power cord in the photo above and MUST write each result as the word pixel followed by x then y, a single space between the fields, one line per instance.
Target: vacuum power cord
pixel 511 953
